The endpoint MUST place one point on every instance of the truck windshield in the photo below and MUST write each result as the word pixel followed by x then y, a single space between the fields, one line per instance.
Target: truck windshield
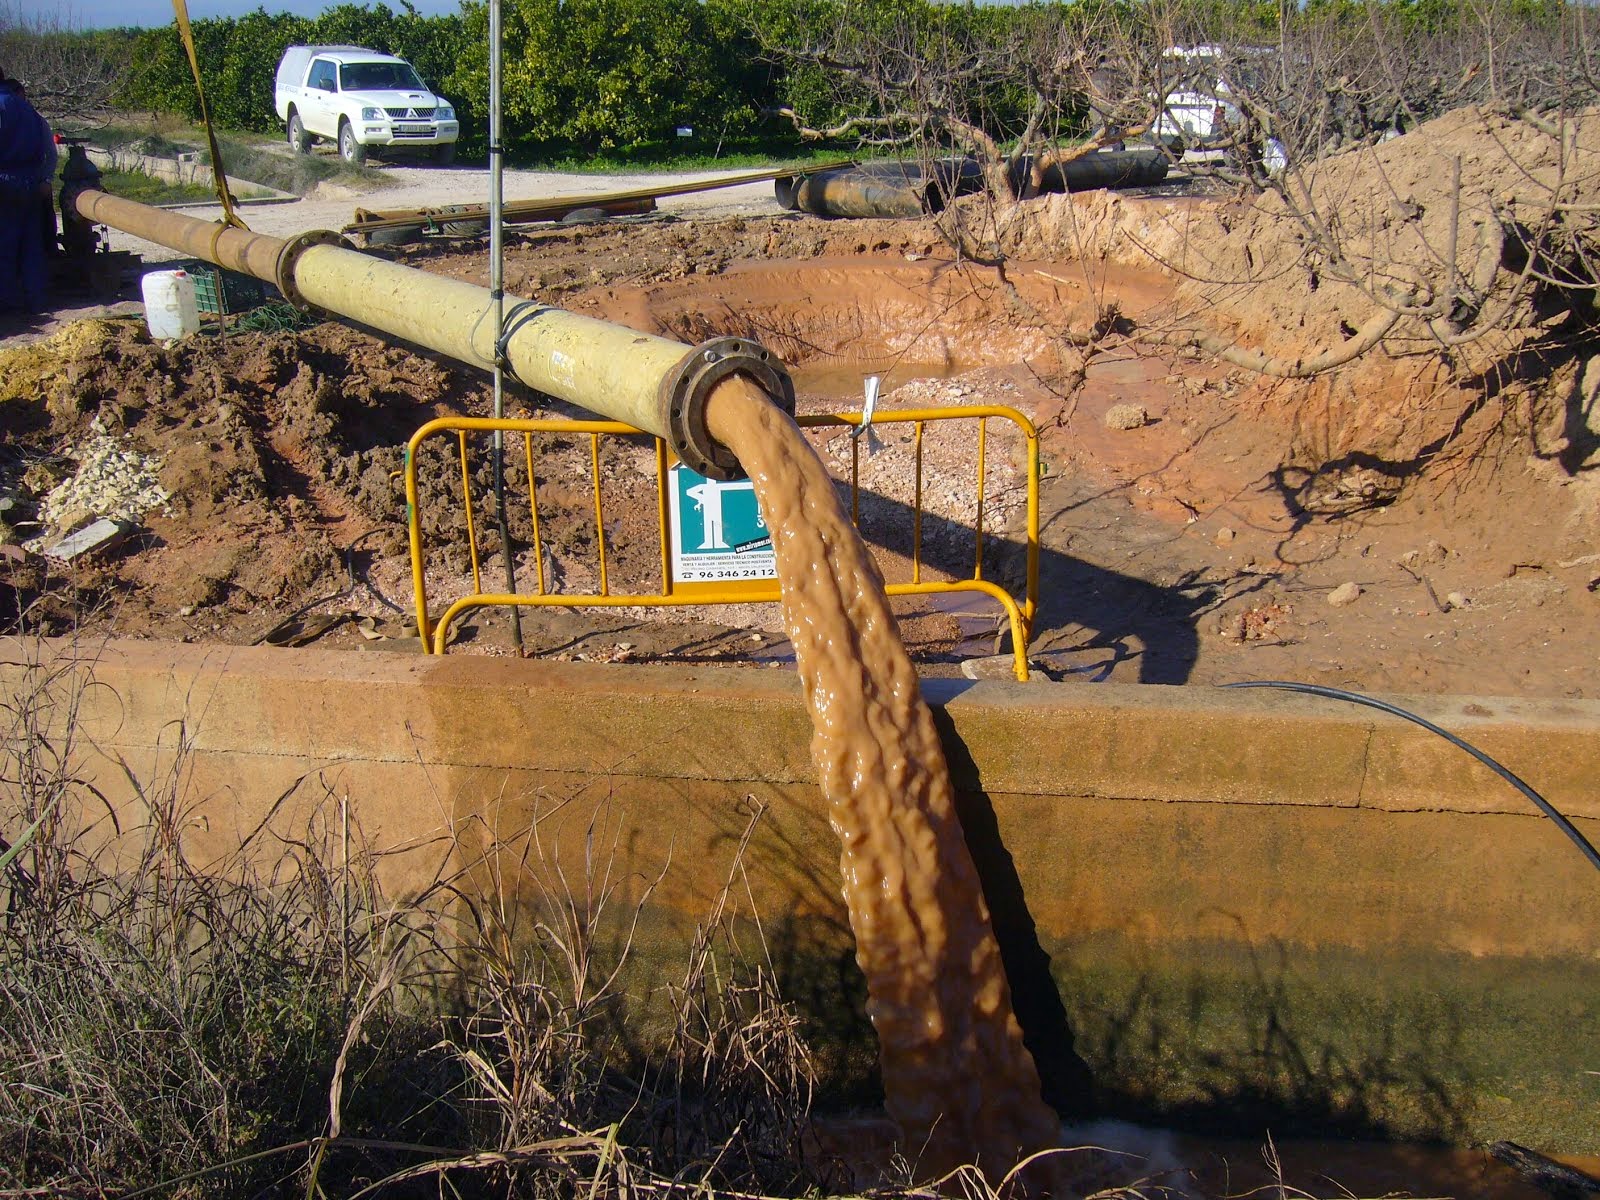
pixel 378 76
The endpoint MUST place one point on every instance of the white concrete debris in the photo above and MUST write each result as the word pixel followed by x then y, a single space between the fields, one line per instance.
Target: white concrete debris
pixel 104 534
pixel 113 480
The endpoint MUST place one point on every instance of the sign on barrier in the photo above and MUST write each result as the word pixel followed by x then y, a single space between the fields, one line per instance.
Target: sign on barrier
pixel 718 532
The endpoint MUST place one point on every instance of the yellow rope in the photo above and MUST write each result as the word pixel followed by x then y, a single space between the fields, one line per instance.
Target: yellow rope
pixel 218 172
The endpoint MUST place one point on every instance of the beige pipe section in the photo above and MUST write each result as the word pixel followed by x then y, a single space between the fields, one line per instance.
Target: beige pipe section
pixel 605 368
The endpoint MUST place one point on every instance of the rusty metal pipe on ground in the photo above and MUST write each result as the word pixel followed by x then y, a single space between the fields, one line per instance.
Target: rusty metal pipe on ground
pixel 652 383
pixel 911 189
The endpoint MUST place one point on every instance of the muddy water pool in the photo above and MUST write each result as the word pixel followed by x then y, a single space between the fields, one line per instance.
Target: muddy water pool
pixel 855 1152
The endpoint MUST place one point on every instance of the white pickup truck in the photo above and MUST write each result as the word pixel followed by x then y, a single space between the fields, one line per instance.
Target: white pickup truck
pixel 361 101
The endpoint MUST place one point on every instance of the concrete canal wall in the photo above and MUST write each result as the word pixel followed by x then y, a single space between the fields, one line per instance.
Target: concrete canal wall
pixel 1232 909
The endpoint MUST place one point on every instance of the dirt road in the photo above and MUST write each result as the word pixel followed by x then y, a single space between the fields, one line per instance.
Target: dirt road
pixel 331 206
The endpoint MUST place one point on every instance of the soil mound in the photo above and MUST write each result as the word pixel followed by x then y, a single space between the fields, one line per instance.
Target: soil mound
pixel 1472 223
pixel 243 461
pixel 1429 299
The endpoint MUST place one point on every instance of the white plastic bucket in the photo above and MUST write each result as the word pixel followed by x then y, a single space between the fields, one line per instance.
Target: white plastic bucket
pixel 169 307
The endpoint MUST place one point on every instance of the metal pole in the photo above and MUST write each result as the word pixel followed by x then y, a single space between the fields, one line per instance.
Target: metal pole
pixel 497 290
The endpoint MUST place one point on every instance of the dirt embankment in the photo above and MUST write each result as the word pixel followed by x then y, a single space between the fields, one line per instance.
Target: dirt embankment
pixel 273 453
pixel 1433 290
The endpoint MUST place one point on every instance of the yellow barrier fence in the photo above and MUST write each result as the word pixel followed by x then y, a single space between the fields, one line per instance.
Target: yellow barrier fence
pixel 435 635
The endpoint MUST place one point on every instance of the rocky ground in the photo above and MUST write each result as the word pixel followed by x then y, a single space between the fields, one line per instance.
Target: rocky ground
pixel 1407 524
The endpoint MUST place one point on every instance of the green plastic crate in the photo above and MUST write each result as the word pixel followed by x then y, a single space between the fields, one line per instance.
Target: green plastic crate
pixel 221 293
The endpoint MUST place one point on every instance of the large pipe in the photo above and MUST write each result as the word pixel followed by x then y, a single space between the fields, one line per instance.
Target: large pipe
pixel 1106 169
pixel 892 188
pixel 849 194
pixel 652 383
pixel 634 200
pixel 910 189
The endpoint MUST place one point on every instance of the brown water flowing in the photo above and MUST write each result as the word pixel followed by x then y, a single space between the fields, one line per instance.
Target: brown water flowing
pixel 957 1078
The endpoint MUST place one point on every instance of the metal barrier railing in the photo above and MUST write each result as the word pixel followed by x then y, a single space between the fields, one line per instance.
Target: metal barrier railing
pixel 435 635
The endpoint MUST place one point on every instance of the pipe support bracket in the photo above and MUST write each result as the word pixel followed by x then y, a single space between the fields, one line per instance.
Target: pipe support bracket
pixel 686 387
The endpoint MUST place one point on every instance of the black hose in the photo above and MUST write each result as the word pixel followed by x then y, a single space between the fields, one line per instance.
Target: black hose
pixel 1332 693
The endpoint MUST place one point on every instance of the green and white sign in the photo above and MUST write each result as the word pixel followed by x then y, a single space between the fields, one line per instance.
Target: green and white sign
pixel 718 532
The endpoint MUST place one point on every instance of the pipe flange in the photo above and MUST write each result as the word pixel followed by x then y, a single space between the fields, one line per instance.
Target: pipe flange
pixel 292 250
pixel 686 387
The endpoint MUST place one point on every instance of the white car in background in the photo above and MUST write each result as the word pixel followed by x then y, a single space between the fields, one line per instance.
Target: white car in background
pixel 361 101
pixel 1191 120
pixel 1200 112
pixel 1199 122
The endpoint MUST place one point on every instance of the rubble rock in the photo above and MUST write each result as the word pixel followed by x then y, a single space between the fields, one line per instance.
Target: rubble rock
pixel 1345 594
pixel 999 666
pixel 1127 416
pixel 113 479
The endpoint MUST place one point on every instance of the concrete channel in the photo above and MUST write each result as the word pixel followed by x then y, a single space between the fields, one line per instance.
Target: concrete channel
pixel 1215 906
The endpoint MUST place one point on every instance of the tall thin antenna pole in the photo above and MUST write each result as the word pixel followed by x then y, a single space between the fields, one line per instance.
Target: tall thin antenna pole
pixel 497 291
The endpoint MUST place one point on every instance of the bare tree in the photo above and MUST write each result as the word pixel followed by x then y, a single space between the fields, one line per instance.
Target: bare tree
pixel 1016 90
pixel 68 74
pixel 1500 233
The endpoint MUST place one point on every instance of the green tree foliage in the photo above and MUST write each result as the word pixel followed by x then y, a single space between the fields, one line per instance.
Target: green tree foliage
pixel 603 75
pixel 237 59
pixel 612 74
pixel 584 74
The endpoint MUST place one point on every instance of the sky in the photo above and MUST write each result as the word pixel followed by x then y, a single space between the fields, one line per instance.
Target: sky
pixel 99 14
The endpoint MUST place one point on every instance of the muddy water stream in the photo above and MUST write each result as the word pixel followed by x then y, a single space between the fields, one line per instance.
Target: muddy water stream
pixel 957 1078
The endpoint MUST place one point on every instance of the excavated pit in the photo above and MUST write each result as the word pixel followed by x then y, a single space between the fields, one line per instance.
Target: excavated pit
pixel 1199 546
pixel 836 319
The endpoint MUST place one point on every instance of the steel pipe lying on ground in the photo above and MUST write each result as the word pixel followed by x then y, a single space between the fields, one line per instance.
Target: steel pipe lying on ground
pixel 849 194
pixel 624 203
pixel 1105 169
pixel 652 383
pixel 880 189
pixel 911 189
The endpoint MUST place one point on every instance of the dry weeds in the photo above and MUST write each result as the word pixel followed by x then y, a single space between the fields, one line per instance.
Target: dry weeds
pixel 271 1022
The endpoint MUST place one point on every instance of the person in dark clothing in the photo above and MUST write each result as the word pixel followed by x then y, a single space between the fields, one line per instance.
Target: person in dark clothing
pixel 27 165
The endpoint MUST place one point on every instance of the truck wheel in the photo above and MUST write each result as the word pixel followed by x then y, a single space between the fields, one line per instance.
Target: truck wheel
pixel 299 141
pixel 445 155
pixel 352 151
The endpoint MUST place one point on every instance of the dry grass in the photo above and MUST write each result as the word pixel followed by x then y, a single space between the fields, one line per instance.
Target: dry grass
pixel 272 1023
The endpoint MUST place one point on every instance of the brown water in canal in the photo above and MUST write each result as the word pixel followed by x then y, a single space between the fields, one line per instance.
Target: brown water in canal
pixel 957 1078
